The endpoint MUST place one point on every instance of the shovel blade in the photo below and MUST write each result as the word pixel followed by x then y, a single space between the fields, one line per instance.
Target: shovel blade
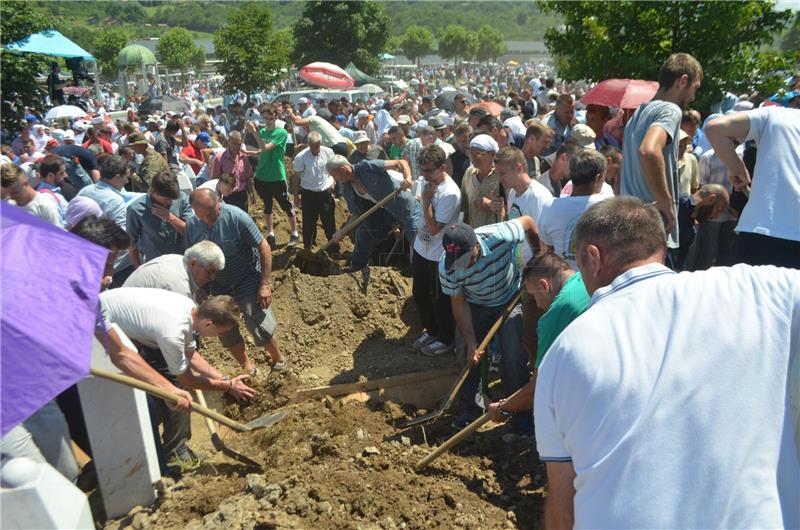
pixel 421 419
pixel 265 421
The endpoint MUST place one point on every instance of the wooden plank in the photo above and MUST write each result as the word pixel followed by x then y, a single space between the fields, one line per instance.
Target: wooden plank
pixel 374 384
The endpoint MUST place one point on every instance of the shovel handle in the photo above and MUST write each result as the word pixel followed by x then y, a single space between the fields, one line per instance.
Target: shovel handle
pixel 201 400
pixel 457 437
pixel 349 227
pixel 168 396
pixel 484 344
pixel 460 435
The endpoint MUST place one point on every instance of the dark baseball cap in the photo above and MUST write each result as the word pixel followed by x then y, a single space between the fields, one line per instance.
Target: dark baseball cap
pixel 458 240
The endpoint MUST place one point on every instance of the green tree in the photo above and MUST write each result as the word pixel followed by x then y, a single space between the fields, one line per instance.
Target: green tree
pixel 791 41
pixel 107 44
pixel 457 42
pixel 252 53
pixel 341 32
pixel 601 40
pixel 417 42
pixel 177 51
pixel 490 44
pixel 18 19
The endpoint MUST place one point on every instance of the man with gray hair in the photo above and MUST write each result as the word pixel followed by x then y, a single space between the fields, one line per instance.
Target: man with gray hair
pixel 587 168
pixel 364 185
pixel 315 189
pixel 184 274
pixel 624 396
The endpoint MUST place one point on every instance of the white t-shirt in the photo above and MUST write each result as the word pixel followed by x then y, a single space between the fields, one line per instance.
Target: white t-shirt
pixel 209 185
pixel 446 203
pixel 558 223
pixel 531 203
pixel 330 136
pixel 155 318
pixel 45 207
pixel 606 190
pixel 774 206
pixel 314 175
pixel 671 395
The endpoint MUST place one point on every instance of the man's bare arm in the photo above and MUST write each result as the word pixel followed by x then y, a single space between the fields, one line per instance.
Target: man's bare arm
pixel 559 511
pixel 651 158
pixel 725 133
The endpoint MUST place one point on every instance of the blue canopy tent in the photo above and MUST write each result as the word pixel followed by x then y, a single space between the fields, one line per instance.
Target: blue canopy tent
pixel 51 42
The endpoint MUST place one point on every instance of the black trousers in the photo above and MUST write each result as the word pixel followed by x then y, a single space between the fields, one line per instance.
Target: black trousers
pixel 433 305
pixel 274 190
pixel 238 199
pixel 177 425
pixel 317 205
pixel 758 249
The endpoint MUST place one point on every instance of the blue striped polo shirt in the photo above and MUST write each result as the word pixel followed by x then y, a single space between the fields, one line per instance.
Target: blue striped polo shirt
pixel 237 235
pixel 495 278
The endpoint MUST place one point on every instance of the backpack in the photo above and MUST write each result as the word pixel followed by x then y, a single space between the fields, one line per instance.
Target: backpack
pixel 76 175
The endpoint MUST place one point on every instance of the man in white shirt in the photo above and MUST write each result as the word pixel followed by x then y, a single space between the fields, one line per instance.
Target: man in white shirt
pixel 554 178
pixel 660 406
pixel 526 196
pixel 558 220
pixel 162 324
pixel 15 186
pixel 769 227
pixel 440 203
pixel 315 196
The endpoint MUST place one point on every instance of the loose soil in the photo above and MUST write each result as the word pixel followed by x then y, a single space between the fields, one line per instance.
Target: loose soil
pixel 340 463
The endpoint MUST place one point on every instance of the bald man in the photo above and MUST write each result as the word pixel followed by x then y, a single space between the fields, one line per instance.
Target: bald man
pixel 247 275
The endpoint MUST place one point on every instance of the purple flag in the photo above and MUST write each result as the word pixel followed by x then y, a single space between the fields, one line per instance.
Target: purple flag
pixel 49 283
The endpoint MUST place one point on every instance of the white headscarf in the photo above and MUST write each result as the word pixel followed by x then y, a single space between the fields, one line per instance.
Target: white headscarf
pixel 383 121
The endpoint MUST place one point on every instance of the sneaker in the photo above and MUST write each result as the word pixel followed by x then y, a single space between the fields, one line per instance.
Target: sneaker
pixel 279 366
pixel 422 341
pixel 271 241
pixel 184 459
pixel 294 240
pixel 435 348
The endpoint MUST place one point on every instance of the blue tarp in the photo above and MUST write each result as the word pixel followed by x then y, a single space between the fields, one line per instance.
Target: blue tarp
pixel 49 42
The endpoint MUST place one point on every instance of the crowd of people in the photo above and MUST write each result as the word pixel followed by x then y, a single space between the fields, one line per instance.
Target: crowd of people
pixel 676 389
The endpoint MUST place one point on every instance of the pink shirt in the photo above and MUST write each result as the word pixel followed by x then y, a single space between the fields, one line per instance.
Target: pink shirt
pixel 238 166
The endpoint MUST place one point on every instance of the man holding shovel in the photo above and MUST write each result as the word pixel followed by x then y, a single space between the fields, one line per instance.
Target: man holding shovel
pixel 363 185
pixel 480 273
pixel 163 325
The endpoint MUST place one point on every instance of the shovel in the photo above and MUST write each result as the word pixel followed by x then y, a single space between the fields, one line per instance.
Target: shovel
pixel 465 371
pixel 314 262
pixel 456 438
pixel 258 423
pixel 217 442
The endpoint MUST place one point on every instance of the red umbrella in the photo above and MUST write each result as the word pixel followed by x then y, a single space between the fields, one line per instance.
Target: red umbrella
pixel 326 75
pixel 622 93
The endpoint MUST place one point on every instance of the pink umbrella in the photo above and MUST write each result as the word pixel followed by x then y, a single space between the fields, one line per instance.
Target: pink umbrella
pixel 622 93
pixel 326 75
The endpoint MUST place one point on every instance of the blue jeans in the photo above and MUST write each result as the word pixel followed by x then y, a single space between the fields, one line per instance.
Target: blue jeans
pixel 371 232
pixel 514 368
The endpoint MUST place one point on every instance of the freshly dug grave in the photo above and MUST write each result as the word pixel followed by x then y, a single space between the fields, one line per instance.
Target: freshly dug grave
pixel 334 464
pixel 339 463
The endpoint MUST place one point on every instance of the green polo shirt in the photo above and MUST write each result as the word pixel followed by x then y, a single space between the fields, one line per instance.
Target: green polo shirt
pixel 271 165
pixel 568 304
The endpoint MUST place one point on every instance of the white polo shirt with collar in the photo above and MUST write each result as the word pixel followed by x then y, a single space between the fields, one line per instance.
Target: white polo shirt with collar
pixel 675 398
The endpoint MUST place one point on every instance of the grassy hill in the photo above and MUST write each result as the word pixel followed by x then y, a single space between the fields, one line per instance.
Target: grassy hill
pixel 517 20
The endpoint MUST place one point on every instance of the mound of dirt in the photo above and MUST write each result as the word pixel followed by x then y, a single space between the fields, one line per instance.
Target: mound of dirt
pixel 334 464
